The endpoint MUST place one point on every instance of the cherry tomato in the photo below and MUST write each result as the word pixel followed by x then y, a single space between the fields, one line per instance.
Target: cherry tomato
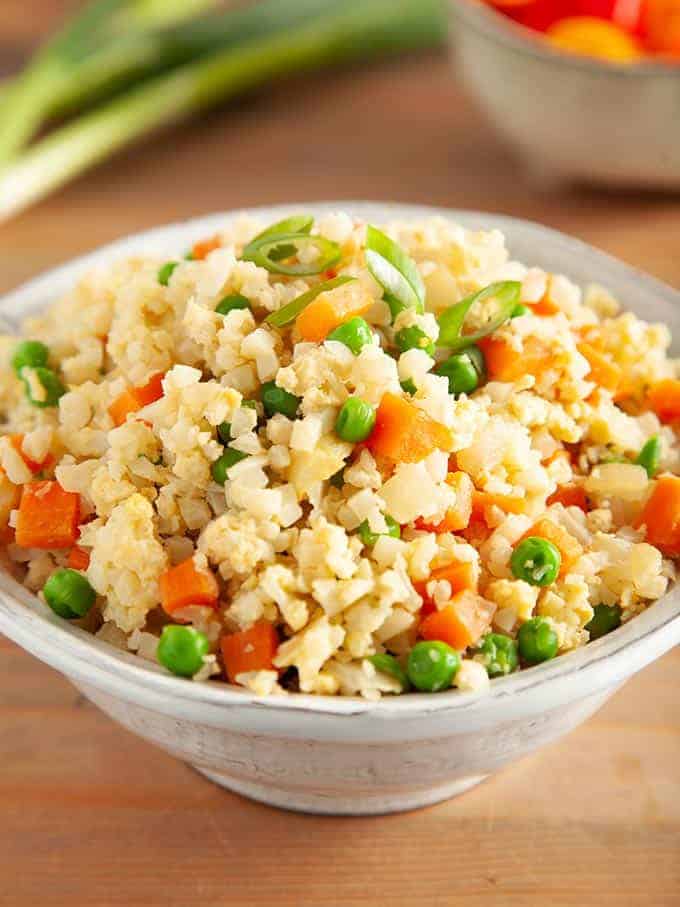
pixel 541 14
pixel 624 13
pixel 661 26
pixel 591 37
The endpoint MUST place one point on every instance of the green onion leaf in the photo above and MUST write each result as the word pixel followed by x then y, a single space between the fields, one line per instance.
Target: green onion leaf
pixel 270 253
pixel 298 223
pixel 396 273
pixel 505 294
pixel 290 312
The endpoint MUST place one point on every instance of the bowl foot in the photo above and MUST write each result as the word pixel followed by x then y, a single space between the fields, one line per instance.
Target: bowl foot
pixel 336 803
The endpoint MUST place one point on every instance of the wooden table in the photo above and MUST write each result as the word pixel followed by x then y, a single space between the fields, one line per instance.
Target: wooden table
pixel 90 815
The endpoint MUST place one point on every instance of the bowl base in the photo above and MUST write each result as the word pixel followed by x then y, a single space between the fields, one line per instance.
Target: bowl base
pixel 332 804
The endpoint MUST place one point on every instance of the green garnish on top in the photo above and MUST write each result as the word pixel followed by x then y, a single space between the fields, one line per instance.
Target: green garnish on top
pixel 395 271
pixel 505 295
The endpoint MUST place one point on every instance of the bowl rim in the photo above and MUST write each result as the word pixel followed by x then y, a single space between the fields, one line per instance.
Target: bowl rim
pixel 30 623
pixel 518 37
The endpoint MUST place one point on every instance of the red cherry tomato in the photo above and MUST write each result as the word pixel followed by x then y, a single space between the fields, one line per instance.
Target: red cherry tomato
pixel 624 13
pixel 541 14
pixel 660 29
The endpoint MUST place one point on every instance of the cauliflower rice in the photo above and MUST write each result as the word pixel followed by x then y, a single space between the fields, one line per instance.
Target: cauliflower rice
pixel 282 557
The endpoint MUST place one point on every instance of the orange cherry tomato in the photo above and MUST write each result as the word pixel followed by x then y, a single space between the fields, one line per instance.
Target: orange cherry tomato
pixel 660 26
pixel 591 37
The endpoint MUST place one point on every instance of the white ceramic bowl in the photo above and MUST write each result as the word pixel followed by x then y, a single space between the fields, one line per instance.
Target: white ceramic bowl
pixel 570 117
pixel 350 756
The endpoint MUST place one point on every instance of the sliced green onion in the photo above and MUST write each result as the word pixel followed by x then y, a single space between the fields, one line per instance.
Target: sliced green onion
pixel 650 456
pixel 298 223
pixel 395 271
pixel 290 312
pixel 271 252
pixel 452 320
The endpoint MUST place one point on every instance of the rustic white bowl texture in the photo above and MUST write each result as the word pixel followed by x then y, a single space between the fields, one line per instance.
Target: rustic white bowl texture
pixel 347 756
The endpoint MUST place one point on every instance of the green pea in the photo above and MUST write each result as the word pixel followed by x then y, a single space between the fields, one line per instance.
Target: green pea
pixel 650 455
pixel 29 352
pixel 520 310
pixel 355 420
pixel 408 386
pixel 232 302
pixel 537 561
pixel 432 666
pixel 414 338
pixel 388 664
pixel 370 538
pixel 181 649
pixel 355 334
pixel 537 641
pixel 69 594
pixel 277 400
pixel 220 468
pixel 605 619
pixel 498 654
pixel 461 372
pixel 51 384
pixel 166 271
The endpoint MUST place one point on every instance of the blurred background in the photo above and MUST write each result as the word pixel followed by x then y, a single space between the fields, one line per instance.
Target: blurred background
pixel 491 116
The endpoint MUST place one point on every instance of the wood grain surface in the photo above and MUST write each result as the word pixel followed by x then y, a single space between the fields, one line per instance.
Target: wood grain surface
pixel 90 815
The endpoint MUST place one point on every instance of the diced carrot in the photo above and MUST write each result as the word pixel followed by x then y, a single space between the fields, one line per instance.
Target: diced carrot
pixel 477 530
pixel 569 548
pixel 506 502
pixel 136 398
pixel 329 310
pixel 570 495
pixel 664 398
pixel 35 466
pixel 250 650
pixel 185 585
pixel 78 559
pixel 10 494
pixel 603 371
pixel 48 516
pixel 204 247
pixel 404 433
pixel 504 363
pixel 661 516
pixel 545 306
pixel 460 575
pixel 457 517
pixel 462 622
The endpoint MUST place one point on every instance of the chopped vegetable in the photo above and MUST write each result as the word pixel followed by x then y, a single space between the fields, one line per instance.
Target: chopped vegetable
pixel 408 386
pixel 520 310
pixel 355 334
pixel 605 619
pixel 498 654
pixel 250 650
pixel 288 313
pixel 202 249
pixel 432 666
pixel 43 386
pixel 650 456
pixel 570 495
pixel 355 420
pixel 370 538
pixel 458 516
pixel 136 398
pixel 182 649
pixel 69 594
pixel 229 303
pixel 48 516
pixel 664 399
pixel 413 338
pixel 481 500
pixel 537 641
pixel 224 432
pixel 30 353
pixel 388 664
pixel 395 271
pixel 404 433
pixel 220 468
pixel 166 271
pixel 462 622
pixel 603 371
pixel 184 585
pixel 462 375
pixel 277 400
pixel 297 224
pixel 505 295
pixel 661 516
pixel 330 310
pixel 569 548
pixel 17 442
pixel 273 252
pixel 505 363
pixel 78 558
pixel 536 561
pixel 460 575
pixel 593 37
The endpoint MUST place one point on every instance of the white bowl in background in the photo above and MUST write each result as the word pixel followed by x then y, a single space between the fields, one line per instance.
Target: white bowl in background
pixel 346 755
pixel 568 116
